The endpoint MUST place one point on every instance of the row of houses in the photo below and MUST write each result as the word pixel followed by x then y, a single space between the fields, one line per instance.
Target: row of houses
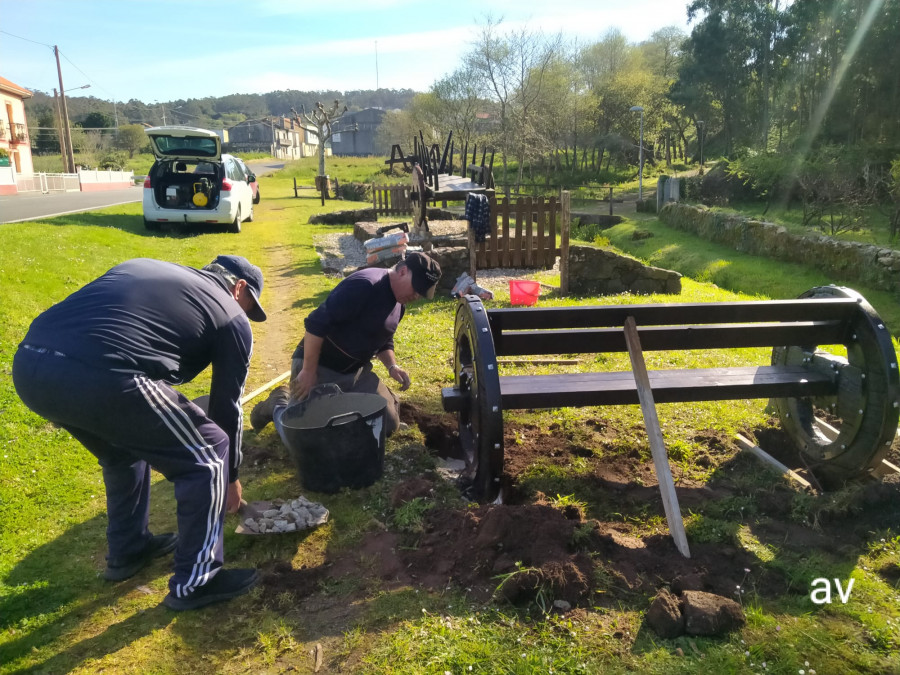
pixel 285 138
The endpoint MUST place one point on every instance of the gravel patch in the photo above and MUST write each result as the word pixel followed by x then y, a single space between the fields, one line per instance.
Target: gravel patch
pixel 342 254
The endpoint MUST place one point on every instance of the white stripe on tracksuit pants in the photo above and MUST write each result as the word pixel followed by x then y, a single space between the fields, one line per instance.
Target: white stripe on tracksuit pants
pixel 185 431
pixel 128 422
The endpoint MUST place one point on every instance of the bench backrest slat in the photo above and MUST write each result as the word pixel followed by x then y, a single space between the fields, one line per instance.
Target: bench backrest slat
pixel 813 309
pixel 660 338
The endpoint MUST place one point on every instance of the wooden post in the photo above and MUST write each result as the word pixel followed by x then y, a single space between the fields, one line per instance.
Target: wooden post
pixel 565 215
pixel 654 433
pixel 295 186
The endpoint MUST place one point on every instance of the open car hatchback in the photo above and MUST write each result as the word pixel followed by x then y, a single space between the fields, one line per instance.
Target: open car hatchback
pixel 193 183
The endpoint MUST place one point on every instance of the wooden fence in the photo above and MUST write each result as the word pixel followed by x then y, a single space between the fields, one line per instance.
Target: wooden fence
pixel 391 200
pixel 525 232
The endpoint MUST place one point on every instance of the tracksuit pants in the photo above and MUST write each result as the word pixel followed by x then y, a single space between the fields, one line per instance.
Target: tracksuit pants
pixel 132 423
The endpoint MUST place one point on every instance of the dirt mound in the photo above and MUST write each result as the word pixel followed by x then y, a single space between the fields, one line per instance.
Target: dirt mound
pixel 528 550
pixel 516 552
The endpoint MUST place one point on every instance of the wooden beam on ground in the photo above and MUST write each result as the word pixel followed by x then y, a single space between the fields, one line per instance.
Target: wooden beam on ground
pixel 268 385
pixel 885 469
pixel 756 451
pixel 654 433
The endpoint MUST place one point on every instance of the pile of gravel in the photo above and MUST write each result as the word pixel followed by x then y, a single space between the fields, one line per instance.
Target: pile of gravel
pixel 342 254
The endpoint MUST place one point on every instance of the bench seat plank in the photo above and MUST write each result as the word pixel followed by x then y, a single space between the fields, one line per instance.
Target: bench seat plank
pixel 669 386
pixel 456 187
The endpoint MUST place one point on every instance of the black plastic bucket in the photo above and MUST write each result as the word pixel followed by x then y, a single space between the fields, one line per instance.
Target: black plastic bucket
pixel 335 439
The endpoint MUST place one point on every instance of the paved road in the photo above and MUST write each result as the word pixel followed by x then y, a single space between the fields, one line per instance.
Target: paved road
pixel 263 167
pixel 34 205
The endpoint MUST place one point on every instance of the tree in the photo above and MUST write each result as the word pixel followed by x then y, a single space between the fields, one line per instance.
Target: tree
pixel 132 138
pixel 322 121
pixel 46 138
pixel 98 120
pixel 511 68
pixel 459 102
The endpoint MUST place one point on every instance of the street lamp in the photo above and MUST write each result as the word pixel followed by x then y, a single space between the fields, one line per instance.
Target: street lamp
pixel 701 127
pixel 69 151
pixel 637 108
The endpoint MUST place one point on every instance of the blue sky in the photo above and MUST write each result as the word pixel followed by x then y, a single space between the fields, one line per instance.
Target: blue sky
pixel 176 49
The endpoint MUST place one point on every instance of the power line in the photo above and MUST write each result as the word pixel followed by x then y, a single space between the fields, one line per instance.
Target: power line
pixel 86 75
pixel 26 39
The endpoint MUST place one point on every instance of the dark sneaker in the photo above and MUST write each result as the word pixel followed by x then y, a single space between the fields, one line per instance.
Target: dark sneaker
pixel 261 414
pixel 225 585
pixel 160 544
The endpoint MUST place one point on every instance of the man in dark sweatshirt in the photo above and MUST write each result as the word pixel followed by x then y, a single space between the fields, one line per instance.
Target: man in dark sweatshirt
pixel 355 324
pixel 101 364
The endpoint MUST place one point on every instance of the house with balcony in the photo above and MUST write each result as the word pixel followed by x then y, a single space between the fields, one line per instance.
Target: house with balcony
pixel 281 137
pixel 15 150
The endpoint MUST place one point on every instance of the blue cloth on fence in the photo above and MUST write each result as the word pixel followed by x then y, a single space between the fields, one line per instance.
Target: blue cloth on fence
pixel 478 213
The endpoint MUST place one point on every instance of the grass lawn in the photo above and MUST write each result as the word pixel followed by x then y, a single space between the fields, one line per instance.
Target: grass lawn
pixel 343 593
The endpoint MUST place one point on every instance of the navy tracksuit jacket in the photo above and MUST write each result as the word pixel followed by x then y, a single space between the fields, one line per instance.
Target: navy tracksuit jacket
pixel 101 364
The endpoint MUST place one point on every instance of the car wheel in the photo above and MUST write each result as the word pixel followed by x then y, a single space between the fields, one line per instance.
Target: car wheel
pixel 151 225
pixel 256 198
pixel 235 227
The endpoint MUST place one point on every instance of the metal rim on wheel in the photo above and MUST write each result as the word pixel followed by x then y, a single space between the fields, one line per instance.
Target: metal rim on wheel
pixel 481 418
pixel 845 435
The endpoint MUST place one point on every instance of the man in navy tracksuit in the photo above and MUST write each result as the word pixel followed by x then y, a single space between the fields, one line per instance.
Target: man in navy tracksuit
pixel 101 364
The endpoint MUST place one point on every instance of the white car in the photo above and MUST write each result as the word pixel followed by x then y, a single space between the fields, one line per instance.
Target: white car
pixel 193 183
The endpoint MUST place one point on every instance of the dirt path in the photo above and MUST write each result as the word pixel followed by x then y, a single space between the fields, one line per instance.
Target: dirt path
pixel 274 344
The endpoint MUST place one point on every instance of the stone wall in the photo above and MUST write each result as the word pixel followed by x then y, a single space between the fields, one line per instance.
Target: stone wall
pixel 343 217
pixel 846 261
pixel 597 271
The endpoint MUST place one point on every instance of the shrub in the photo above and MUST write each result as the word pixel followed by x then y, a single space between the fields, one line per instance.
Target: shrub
pixel 356 192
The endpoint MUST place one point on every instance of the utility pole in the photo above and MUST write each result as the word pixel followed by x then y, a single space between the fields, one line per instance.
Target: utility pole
pixel 62 134
pixel 69 158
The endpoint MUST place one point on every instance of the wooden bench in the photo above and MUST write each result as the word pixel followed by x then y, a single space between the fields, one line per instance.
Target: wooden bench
pixel 814 391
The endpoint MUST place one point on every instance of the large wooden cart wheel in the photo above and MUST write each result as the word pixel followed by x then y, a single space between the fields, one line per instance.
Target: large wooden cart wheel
pixel 481 416
pixel 418 195
pixel 848 434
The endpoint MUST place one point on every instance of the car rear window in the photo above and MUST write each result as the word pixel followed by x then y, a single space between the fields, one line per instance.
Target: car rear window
pixel 186 146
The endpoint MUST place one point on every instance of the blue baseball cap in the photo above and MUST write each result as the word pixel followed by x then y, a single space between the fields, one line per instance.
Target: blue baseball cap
pixel 244 269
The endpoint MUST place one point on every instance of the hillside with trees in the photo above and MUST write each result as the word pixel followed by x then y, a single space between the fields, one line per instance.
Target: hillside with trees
pixel 799 98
